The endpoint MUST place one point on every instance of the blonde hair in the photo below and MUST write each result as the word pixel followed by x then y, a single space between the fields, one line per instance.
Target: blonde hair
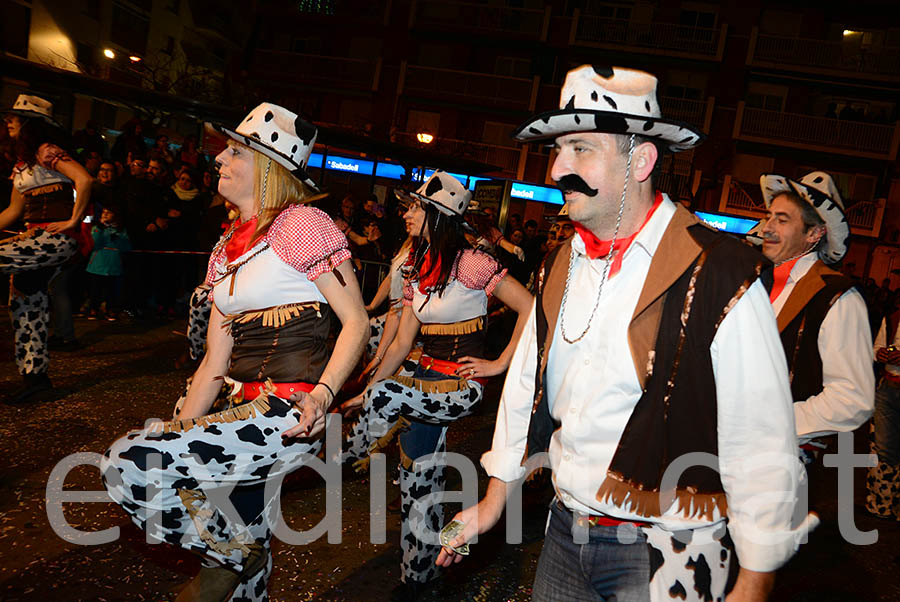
pixel 281 189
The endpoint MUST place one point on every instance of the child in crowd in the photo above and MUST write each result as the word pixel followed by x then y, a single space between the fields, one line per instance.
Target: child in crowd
pixel 105 266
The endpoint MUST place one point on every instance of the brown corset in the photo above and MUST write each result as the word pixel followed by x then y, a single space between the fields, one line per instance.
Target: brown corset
pixel 285 343
pixel 453 341
pixel 50 203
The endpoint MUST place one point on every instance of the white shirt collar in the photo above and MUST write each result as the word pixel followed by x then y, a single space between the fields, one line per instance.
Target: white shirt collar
pixel 802 266
pixel 649 236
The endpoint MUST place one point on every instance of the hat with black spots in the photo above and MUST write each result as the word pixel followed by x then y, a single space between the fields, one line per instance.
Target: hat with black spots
pixel 612 100
pixel 562 216
pixel 33 106
pixel 279 134
pixel 817 189
pixel 443 191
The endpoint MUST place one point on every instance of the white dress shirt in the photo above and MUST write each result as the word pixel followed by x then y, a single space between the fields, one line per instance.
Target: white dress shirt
pixel 845 346
pixel 592 388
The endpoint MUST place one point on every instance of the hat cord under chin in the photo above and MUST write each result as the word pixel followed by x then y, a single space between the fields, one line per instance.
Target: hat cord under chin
pixel 609 257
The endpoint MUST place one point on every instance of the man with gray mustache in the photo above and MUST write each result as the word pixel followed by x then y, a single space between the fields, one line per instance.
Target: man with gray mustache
pixel 822 319
pixel 650 372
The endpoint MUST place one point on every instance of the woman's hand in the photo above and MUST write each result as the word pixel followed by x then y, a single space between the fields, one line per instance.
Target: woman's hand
pixel 372 366
pixel 352 406
pixel 477 367
pixel 59 226
pixel 312 413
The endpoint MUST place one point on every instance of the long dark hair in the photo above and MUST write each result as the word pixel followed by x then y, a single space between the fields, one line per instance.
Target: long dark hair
pixel 447 239
pixel 35 132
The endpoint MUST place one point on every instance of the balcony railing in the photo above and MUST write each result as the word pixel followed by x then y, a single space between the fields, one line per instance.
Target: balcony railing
pixel 653 38
pixel 864 217
pixel 818 133
pixel 324 70
pixel 482 18
pixel 853 59
pixel 469 87
pixel 504 157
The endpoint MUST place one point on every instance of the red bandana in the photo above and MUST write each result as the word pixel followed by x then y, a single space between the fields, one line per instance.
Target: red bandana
pixel 594 247
pixel 429 273
pixel 240 240
pixel 781 274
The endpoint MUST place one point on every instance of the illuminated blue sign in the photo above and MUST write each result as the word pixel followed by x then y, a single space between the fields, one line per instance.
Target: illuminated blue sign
pixel 530 192
pixel 389 170
pixel 727 223
pixel 315 160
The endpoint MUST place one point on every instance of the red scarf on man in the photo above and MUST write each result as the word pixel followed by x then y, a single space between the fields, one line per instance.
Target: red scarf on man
pixel 594 247
pixel 240 240
pixel 781 274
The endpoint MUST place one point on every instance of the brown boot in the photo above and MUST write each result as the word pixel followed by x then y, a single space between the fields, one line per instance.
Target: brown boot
pixel 217 584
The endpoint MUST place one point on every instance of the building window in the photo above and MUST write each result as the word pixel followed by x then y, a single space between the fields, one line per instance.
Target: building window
pixel 608 10
pixel 129 29
pixel 513 67
pixel 169 48
pixel 14 28
pixel 173 6
pixel 769 102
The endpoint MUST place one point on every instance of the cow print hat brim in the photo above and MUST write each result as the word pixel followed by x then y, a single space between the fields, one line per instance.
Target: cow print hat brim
pixel 259 146
pixel 676 135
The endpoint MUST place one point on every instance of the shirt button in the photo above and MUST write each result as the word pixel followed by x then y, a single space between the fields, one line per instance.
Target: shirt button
pixel 572 410
pixel 587 362
pixel 567 457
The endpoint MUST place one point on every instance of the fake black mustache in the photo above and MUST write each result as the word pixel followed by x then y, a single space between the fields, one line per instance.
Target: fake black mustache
pixel 573 183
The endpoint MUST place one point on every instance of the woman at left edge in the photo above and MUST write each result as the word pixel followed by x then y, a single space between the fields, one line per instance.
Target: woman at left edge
pixel 44 180
pixel 276 276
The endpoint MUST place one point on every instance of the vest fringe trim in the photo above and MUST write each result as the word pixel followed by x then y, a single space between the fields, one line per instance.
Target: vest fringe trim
pixel 464 327
pixel 616 490
pixel 274 317
pixel 245 411
pixel 448 385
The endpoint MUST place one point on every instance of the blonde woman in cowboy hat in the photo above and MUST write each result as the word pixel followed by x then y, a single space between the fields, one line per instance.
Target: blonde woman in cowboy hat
pixel 277 276
pixel 651 373
pixel 445 301
pixel 50 194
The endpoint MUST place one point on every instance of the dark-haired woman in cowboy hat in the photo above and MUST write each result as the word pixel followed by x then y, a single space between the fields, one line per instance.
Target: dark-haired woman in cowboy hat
pixel 445 299
pixel 276 277
pixel 50 193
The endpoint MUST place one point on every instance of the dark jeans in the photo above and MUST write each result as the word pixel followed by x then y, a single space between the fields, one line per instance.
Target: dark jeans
pixel 105 289
pixel 602 569
pixel 887 422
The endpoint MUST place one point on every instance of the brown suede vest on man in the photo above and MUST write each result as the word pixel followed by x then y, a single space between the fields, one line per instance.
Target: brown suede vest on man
pixel 799 321
pixel 695 277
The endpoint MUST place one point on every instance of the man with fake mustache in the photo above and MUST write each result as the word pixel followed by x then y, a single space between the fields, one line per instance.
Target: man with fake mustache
pixel 650 372
pixel 823 320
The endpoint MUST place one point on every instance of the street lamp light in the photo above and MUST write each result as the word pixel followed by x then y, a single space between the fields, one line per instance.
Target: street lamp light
pixel 108 53
pixel 424 137
pixel 134 59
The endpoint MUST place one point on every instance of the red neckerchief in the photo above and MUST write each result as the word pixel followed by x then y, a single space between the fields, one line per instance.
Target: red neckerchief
pixel 429 273
pixel 240 240
pixel 781 274
pixel 594 247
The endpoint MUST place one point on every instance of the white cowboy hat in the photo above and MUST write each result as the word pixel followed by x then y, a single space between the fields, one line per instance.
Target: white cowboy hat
pixel 613 100
pixel 817 189
pixel 443 191
pixel 278 134
pixel 562 216
pixel 33 106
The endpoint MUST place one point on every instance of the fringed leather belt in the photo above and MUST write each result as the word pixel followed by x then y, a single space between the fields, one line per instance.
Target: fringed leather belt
pixel 600 520
pixel 446 367
pixel 250 391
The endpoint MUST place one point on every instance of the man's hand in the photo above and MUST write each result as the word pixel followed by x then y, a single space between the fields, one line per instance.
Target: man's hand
pixel 887 356
pixel 478 519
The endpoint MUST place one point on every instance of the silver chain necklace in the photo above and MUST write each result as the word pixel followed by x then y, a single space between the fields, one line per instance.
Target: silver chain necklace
pixel 609 257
